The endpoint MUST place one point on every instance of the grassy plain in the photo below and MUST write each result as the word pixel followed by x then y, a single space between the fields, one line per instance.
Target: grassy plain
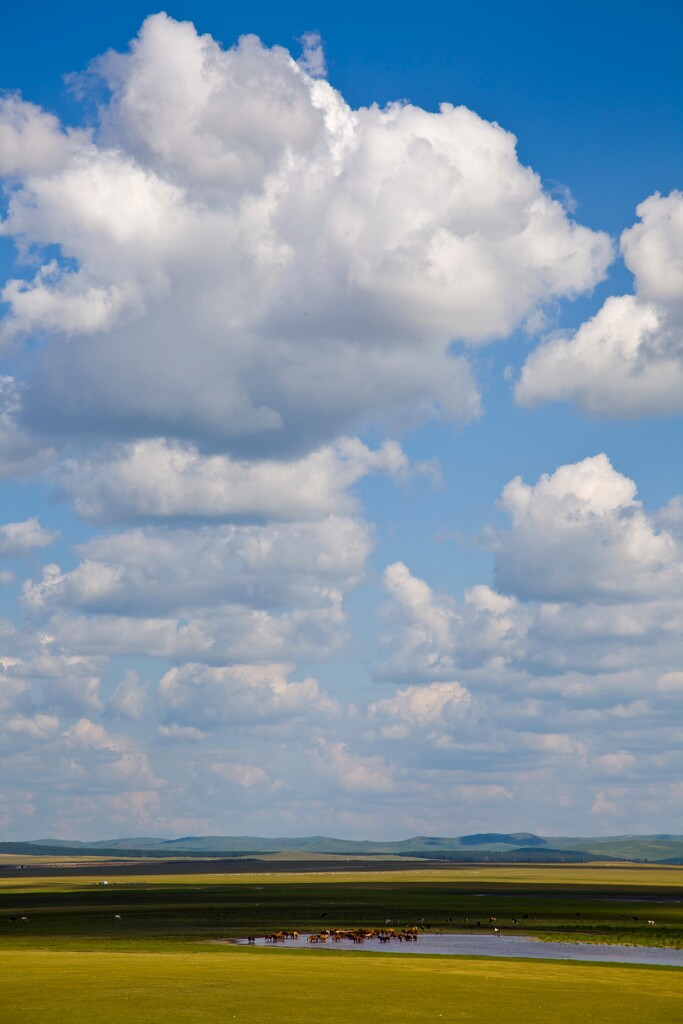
pixel 268 986
pixel 563 902
pixel 73 962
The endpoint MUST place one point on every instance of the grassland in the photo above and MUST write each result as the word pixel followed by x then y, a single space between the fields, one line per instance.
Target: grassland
pixel 260 987
pixel 73 961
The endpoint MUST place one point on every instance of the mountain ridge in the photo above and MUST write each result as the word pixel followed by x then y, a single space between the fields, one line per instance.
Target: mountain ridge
pixel 655 848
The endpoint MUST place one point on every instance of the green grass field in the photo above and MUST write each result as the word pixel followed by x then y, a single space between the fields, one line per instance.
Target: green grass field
pixel 260 987
pixel 73 962
pixel 560 902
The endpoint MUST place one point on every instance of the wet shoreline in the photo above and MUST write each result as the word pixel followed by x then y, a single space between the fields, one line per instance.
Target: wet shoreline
pixel 462 944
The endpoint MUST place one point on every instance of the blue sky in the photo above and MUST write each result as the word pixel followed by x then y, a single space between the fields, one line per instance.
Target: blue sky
pixel 339 428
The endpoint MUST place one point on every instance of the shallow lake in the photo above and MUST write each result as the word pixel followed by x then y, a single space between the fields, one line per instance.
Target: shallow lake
pixel 499 946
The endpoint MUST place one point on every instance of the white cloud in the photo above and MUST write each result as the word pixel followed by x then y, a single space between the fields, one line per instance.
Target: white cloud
pixel 431 634
pixel 618 763
pixel 128 635
pixel 68 682
pixel 653 249
pixel 31 140
pixel 354 772
pixel 592 617
pixel 19 539
pixel 426 624
pixel 434 708
pixel 579 533
pixel 181 733
pixel 628 359
pixel 129 699
pixel 14 690
pixel 551 743
pixel 251 263
pixel 37 727
pixel 153 571
pixel 610 804
pixel 214 634
pixel 312 58
pixel 20 454
pixel 245 775
pixel 157 478
pixel 239 694
pixel 108 760
pixel 671 682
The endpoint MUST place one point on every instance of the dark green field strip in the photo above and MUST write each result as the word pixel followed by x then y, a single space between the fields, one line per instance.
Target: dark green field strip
pixel 224 918
pixel 530 890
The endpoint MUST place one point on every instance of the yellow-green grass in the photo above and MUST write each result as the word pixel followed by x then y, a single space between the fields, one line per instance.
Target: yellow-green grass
pixel 281 987
pixel 478 875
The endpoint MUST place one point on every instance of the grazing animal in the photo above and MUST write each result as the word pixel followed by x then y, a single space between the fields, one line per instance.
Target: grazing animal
pixel 496 931
pixel 650 922
pixel 25 919
pixel 117 917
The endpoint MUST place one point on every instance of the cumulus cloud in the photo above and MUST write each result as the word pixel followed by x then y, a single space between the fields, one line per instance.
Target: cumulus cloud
pixel 19 539
pixel 14 689
pixel 248 262
pixel 157 478
pixel 129 697
pixel 617 763
pixel 432 635
pixel 432 708
pixel 588 608
pixel 181 733
pixel 353 772
pixel 312 58
pixel 36 727
pixel 214 634
pixel 68 682
pixel 240 694
pixel 628 359
pixel 580 533
pixel 20 453
pixel 110 760
pixel 426 623
pixel 31 140
pixel 153 571
pixel 245 775
pixel 114 635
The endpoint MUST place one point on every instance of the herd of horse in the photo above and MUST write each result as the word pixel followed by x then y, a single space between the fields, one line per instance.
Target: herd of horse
pixel 356 935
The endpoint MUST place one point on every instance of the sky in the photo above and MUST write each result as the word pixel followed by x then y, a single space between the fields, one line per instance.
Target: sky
pixel 340 419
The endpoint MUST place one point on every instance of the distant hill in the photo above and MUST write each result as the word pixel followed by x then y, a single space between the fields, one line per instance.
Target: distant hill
pixel 488 846
pixel 504 838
